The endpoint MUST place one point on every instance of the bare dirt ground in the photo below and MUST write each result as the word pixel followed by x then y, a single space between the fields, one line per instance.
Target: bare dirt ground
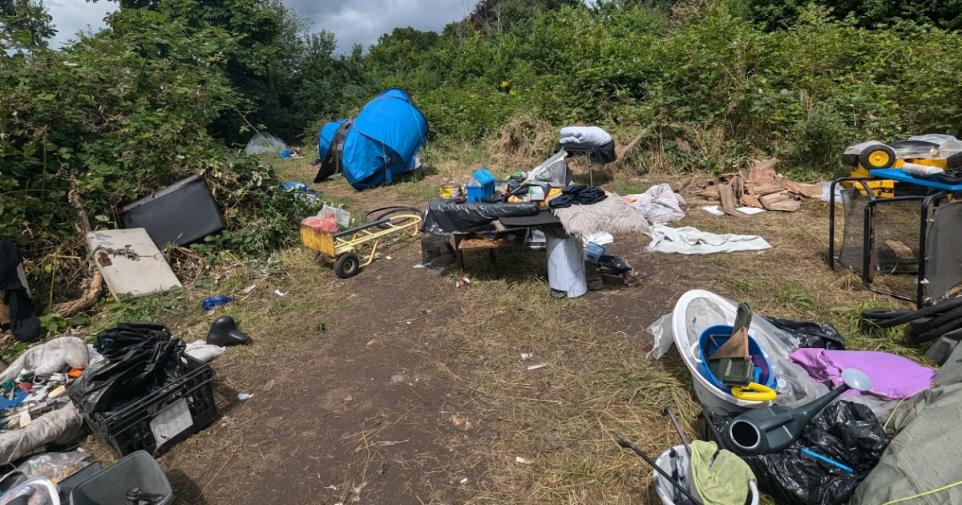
pixel 396 387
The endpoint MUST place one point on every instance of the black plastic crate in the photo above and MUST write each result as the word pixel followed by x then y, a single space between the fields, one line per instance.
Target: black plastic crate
pixel 134 427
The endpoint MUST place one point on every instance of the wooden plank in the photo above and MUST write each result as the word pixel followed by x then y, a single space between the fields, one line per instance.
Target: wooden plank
pixel 480 243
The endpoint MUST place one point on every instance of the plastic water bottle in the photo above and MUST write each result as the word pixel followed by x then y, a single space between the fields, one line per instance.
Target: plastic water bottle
pixel 211 302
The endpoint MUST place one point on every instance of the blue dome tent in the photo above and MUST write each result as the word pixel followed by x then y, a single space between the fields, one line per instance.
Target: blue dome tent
pixel 381 143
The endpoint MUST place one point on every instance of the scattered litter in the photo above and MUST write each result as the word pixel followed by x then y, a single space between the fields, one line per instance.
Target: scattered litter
pixel 537 366
pixel 248 289
pixel 203 351
pixel 751 211
pixel 522 461
pixel 244 396
pixel 462 282
pixel 464 480
pixel 713 210
pixel 388 258
pixel 526 355
pixel 420 265
pixel 49 357
pixel 461 422
pixel 349 398
pixel 212 302
pixel 280 293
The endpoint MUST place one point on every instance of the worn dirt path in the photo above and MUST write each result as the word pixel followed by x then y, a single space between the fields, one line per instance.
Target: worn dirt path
pixel 355 384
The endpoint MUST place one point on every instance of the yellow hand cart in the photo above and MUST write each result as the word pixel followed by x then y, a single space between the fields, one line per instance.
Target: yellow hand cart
pixel 355 248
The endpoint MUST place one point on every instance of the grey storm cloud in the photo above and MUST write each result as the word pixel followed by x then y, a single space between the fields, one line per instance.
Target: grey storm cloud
pixel 363 21
pixel 72 16
pixel 352 22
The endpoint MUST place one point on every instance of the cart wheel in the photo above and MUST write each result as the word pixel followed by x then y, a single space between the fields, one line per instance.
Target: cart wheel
pixel 347 265
pixel 877 156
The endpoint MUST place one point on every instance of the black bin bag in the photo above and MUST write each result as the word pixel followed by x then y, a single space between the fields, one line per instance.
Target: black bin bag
pixel 846 432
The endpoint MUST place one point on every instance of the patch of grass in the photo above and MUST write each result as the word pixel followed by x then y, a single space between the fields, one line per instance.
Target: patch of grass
pixel 796 296
pixel 160 307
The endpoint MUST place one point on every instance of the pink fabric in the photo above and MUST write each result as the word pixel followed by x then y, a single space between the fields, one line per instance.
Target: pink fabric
pixel 893 377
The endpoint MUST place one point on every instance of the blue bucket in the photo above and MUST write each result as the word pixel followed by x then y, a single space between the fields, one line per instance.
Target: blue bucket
pixel 712 338
pixel 594 252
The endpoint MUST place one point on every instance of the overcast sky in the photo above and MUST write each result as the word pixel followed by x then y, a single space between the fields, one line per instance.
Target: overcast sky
pixel 352 21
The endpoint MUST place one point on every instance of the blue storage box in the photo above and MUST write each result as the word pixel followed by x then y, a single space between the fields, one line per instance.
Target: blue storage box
pixel 481 187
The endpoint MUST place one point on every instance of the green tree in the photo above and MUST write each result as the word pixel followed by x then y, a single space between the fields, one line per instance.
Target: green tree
pixel 117 135
pixel 946 14
pixel 24 24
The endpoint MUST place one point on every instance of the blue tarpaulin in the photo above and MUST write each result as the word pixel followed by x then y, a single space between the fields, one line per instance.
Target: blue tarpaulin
pixel 381 143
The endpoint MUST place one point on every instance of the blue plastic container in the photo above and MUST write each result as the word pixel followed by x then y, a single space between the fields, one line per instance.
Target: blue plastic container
pixel 211 302
pixel 594 252
pixel 481 187
pixel 712 338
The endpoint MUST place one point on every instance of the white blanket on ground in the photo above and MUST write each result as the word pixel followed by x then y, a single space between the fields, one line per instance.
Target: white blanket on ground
pixel 690 240
pixel 584 135
pixel 659 204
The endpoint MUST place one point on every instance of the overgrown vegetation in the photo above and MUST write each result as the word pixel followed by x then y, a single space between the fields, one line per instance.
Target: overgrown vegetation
pixel 173 87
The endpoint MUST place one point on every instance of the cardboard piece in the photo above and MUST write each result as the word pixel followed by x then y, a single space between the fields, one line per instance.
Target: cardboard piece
pixel 761 188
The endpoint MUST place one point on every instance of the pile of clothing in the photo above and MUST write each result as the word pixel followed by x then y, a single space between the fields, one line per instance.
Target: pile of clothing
pixel 17 305
pixel 34 409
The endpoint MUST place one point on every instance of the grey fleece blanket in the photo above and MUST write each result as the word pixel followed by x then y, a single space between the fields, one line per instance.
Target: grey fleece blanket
pixel 611 215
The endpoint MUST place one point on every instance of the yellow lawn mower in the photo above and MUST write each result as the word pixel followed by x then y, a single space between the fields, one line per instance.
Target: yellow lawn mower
pixel 932 150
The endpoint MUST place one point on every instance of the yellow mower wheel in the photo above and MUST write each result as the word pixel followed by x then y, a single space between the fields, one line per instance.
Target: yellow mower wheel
pixel 877 157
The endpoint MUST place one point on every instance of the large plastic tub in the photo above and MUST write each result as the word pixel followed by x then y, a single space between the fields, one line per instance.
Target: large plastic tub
pixel 720 334
pixel 163 418
pixel 111 486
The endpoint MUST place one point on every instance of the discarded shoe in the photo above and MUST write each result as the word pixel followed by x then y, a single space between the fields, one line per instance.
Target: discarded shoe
pixel 224 332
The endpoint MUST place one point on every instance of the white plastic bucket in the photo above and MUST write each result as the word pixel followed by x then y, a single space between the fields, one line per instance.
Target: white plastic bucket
pixel 665 490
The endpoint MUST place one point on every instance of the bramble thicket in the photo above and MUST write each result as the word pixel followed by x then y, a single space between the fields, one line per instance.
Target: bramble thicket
pixel 174 87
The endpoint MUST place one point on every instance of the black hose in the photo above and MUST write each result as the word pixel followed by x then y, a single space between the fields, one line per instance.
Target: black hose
pixel 934 331
pixel 885 319
pixel 383 212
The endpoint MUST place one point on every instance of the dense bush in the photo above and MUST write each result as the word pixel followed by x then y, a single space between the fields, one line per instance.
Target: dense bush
pixel 118 115
pixel 698 84
pixel 715 76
